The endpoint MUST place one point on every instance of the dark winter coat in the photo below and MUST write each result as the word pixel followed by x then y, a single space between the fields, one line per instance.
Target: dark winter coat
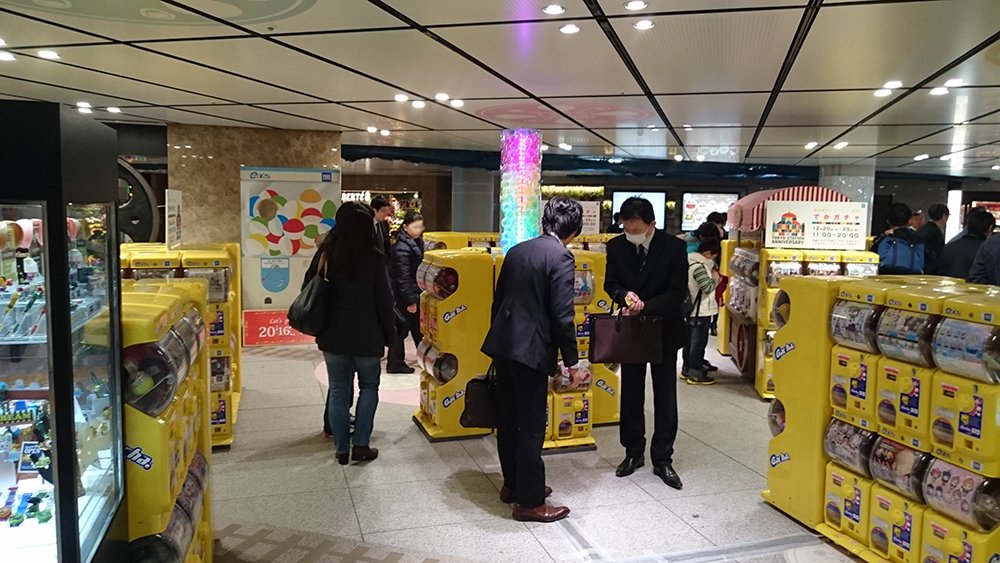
pixel 407 254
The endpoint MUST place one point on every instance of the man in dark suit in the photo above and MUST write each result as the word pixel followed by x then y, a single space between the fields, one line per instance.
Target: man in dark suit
pixel 647 274
pixel 383 209
pixel 532 324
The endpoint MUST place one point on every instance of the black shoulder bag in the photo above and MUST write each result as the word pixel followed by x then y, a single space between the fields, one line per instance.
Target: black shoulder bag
pixel 309 311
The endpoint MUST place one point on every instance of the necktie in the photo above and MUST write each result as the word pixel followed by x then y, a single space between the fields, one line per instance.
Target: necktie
pixel 642 256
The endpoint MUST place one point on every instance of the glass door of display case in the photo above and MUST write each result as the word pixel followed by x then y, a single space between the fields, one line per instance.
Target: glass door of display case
pixel 42 493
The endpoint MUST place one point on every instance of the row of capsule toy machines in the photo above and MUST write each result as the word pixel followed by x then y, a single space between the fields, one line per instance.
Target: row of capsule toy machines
pixel 455 309
pixel 165 359
pixel 892 447
pixel 218 265
pixel 755 274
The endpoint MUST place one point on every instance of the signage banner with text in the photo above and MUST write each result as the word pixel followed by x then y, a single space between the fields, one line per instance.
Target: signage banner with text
pixel 816 225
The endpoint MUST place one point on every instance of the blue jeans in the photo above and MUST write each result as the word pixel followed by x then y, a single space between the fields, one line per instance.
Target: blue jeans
pixel 341 370
pixel 694 352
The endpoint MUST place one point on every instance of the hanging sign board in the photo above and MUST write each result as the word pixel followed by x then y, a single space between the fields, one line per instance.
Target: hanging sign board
pixel 816 225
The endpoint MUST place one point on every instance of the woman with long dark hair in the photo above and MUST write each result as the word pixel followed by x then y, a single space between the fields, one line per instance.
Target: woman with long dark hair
pixel 407 254
pixel 359 327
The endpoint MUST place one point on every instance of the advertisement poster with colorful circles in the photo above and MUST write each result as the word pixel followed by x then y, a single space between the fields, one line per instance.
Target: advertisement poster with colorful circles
pixel 287 211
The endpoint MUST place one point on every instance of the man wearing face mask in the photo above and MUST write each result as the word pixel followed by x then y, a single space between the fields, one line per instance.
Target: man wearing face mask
pixel 647 274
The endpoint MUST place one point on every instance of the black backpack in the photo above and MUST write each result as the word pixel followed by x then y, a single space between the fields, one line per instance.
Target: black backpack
pixel 688 305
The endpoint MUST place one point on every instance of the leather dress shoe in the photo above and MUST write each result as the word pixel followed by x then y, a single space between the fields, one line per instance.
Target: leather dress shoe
pixel 507 495
pixel 543 513
pixel 666 472
pixel 629 465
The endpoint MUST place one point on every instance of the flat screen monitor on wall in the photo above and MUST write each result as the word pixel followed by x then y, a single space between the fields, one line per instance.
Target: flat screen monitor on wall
pixel 695 208
pixel 659 201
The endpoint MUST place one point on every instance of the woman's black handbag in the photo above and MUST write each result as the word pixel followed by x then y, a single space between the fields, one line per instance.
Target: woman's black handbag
pixel 309 311
pixel 481 409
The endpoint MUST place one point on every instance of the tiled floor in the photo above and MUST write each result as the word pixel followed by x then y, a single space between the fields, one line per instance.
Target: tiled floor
pixel 424 502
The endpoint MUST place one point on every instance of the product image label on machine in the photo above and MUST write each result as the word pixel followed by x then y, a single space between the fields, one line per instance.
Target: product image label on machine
pixel 852 506
pixel 859 384
pixel 582 416
pixel 971 423
pixel 902 534
pixel 909 401
pixel 219 415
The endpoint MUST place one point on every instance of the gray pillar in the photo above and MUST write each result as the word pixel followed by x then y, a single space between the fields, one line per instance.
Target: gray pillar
pixel 474 200
pixel 855 181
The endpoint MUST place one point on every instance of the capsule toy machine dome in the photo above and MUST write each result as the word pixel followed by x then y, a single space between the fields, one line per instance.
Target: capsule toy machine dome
pixel 906 370
pixel 963 522
pixel 859 263
pixel 166 419
pixel 484 240
pixel 965 397
pixel 455 309
pixel 590 299
pixel 854 362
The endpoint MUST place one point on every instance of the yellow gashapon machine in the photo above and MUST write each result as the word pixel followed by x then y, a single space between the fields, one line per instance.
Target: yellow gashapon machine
pixel 739 325
pixel 455 309
pixel 905 372
pixel 965 397
pixel 775 265
pixel 166 420
pixel 445 240
pixel 896 526
pixel 590 299
pixel 854 364
pixel 215 265
pixel 802 348
pixel 730 248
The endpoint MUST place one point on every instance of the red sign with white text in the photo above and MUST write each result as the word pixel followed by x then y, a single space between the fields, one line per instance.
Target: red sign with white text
pixel 271 328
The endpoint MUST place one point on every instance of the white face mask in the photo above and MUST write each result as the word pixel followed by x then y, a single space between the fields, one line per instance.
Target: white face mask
pixel 637 239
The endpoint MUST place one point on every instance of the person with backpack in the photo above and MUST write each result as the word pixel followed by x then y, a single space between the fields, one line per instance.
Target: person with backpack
pixel 901 250
pixel 702 280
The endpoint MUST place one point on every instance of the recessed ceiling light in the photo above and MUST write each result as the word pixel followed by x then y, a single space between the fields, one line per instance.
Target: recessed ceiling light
pixel 401 97
pixel 995 167
pixel 946 157
pixel 333 150
pixel 371 129
pixel 187 146
pixel 954 83
pixel 655 129
pixel 811 145
pixel 840 145
pixel 6 56
pixel 441 97
pixel 554 9
pixel 565 146
pixel 635 5
pixel 2 42
pixel 457 103
pixel 569 29
pixel 939 91
pixel 643 25
pixel 84 110
pixel 418 104
pixel 920 157
pixel 83 105
pixel 545 147
pixel 678 157
pixel 615 160
pixel 687 127
pixel 114 110
pixel 883 93
pixel 651 127
pixel 178 146
pixel 384 132
pixel 210 157
pixel 700 157
pixel 50 55
pixel 893 84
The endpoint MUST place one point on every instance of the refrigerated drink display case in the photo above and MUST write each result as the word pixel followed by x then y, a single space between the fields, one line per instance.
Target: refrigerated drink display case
pixel 61 449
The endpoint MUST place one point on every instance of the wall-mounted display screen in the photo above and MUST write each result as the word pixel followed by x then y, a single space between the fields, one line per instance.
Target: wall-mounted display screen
pixel 696 207
pixel 658 199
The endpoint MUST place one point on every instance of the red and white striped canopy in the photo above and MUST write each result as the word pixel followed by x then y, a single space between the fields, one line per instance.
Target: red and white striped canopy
pixel 747 214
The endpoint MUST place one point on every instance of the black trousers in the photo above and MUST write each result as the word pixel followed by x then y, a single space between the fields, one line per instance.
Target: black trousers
pixel 521 395
pixel 397 350
pixel 632 428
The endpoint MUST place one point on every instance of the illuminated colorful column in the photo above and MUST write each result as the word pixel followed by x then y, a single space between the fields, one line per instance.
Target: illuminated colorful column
pixel 520 186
